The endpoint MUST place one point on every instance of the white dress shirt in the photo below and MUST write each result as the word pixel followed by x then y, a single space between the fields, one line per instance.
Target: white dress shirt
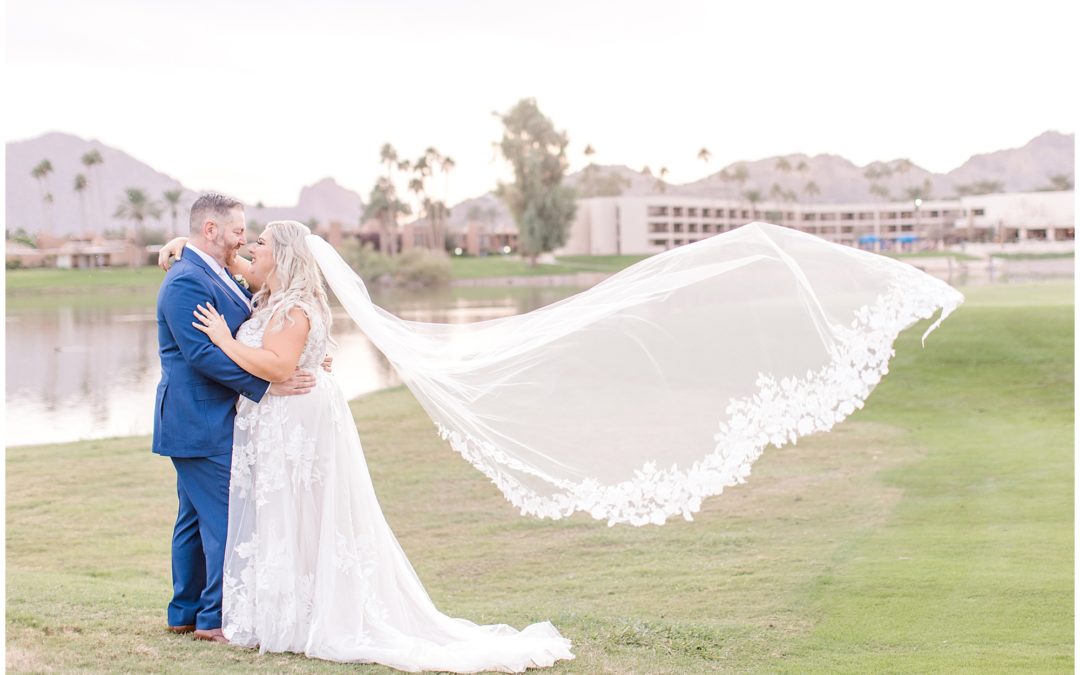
pixel 223 273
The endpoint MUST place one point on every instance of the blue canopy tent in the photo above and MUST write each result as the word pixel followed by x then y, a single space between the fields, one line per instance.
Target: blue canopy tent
pixel 907 239
pixel 868 239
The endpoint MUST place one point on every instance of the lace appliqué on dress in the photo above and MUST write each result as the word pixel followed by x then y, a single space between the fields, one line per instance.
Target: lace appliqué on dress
pixel 779 412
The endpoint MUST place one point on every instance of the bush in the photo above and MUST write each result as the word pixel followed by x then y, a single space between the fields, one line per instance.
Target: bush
pixel 372 266
pixel 420 267
pixel 416 267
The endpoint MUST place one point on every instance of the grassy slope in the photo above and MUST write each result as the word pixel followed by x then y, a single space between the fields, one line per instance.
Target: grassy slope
pixel 931 531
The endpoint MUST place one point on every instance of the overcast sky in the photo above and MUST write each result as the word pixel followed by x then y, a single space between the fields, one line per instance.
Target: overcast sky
pixel 261 98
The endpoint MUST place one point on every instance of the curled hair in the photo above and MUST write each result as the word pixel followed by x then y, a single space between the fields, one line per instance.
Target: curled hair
pixel 301 283
pixel 208 203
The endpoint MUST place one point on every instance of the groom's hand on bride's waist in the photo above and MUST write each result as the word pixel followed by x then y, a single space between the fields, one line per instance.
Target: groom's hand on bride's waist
pixel 301 382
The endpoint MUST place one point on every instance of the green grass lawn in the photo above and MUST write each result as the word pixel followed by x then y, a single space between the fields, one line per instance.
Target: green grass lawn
pixel 930 532
pixel 932 254
pixel 1034 256
pixel 84 280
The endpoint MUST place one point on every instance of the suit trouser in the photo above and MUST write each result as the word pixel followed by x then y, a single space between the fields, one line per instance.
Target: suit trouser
pixel 198 544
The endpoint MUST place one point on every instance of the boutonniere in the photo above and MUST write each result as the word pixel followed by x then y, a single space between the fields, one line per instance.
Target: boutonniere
pixel 239 278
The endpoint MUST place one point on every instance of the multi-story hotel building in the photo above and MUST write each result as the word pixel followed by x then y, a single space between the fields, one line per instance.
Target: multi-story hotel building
pixel 649 224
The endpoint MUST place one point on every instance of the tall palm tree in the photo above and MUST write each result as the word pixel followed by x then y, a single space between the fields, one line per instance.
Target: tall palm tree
pixel 590 188
pixel 783 165
pixel 752 196
pixel 91 160
pixel 137 207
pixel 879 190
pixel 660 184
pixel 446 165
pixel 41 173
pixel 80 189
pixel 172 198
pixel 811 190
pixel 704 155
pixel 384 206
pixel 802 166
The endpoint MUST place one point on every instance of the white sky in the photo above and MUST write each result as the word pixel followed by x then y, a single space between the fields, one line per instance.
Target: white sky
pixel 261 98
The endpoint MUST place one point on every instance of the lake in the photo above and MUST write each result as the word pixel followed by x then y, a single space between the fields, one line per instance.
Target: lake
pixel 84 367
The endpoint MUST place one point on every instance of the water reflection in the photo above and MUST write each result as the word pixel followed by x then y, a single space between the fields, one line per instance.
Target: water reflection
pixel 78 372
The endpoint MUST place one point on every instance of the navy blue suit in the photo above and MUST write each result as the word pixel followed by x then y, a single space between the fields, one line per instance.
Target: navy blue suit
pixel 193 424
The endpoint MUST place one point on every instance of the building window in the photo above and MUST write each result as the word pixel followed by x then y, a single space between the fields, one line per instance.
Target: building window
pixel 828 216
pixel 846 228
pixel 691 227
pixel 706 213
pixel 677 242
pixel 732 213
pixel 657 211
pixel 659 242
pixel 907 228
pixel 678 227
pixel 891 215
pixel 907 214
pixel 847 216
pixel 658 227
pixel 809 216
pixel 979 212
pixel 691 213
pixel 706 227
pixel 866 216
pixel 676 211
pixel 933 214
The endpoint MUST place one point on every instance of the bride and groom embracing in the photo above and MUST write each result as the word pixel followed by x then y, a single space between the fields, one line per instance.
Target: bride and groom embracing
pixel 279 541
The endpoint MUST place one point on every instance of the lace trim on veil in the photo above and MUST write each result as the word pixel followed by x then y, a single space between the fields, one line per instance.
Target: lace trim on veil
pixel 780 412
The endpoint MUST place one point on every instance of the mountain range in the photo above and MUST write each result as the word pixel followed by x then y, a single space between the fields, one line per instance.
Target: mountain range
pixel 791 178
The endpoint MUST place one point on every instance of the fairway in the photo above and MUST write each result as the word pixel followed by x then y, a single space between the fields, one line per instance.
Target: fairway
pixel 932 531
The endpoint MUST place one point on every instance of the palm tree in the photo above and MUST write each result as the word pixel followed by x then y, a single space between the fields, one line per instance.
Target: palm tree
pixel 172 197
pixel 590 188
pixel 137 207
pixel 783 165
pixel 752 196
pixel 740 174
pixel 660 184
pixel 389 156
pixel 879 190
pixel 416 186
pixel 41 173
pixel 91 160
pixel 704 155
pixel 645 170
pixel 385 207
pixel 811 189
pixel 80 189
pixel 802 166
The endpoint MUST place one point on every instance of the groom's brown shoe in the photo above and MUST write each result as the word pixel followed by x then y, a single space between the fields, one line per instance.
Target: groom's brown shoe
pixel 211 635
pixel 179 630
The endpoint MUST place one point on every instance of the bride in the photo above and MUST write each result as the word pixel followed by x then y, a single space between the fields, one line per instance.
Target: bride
pixel 632 401
pixel 311 565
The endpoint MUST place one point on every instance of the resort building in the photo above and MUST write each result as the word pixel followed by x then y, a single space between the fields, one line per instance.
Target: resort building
pixel 649 224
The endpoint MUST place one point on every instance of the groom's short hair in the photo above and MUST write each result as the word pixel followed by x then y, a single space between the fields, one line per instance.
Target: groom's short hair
pixel 211 203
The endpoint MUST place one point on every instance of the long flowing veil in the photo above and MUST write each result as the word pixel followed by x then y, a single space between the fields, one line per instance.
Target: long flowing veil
pixel 635 399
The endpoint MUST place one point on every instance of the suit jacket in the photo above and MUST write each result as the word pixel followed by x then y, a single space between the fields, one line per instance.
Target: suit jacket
pixel 196 398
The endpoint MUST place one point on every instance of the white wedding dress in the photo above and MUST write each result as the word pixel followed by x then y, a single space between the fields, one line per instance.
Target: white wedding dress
pixel 311 565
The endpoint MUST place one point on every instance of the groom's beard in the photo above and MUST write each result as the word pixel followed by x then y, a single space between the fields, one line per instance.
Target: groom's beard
pixel 230 255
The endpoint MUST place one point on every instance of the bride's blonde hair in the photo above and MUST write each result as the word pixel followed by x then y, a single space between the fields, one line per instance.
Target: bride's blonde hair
pixel 298 274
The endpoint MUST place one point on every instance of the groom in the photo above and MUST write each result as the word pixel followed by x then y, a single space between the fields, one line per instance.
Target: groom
pixel 196 404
